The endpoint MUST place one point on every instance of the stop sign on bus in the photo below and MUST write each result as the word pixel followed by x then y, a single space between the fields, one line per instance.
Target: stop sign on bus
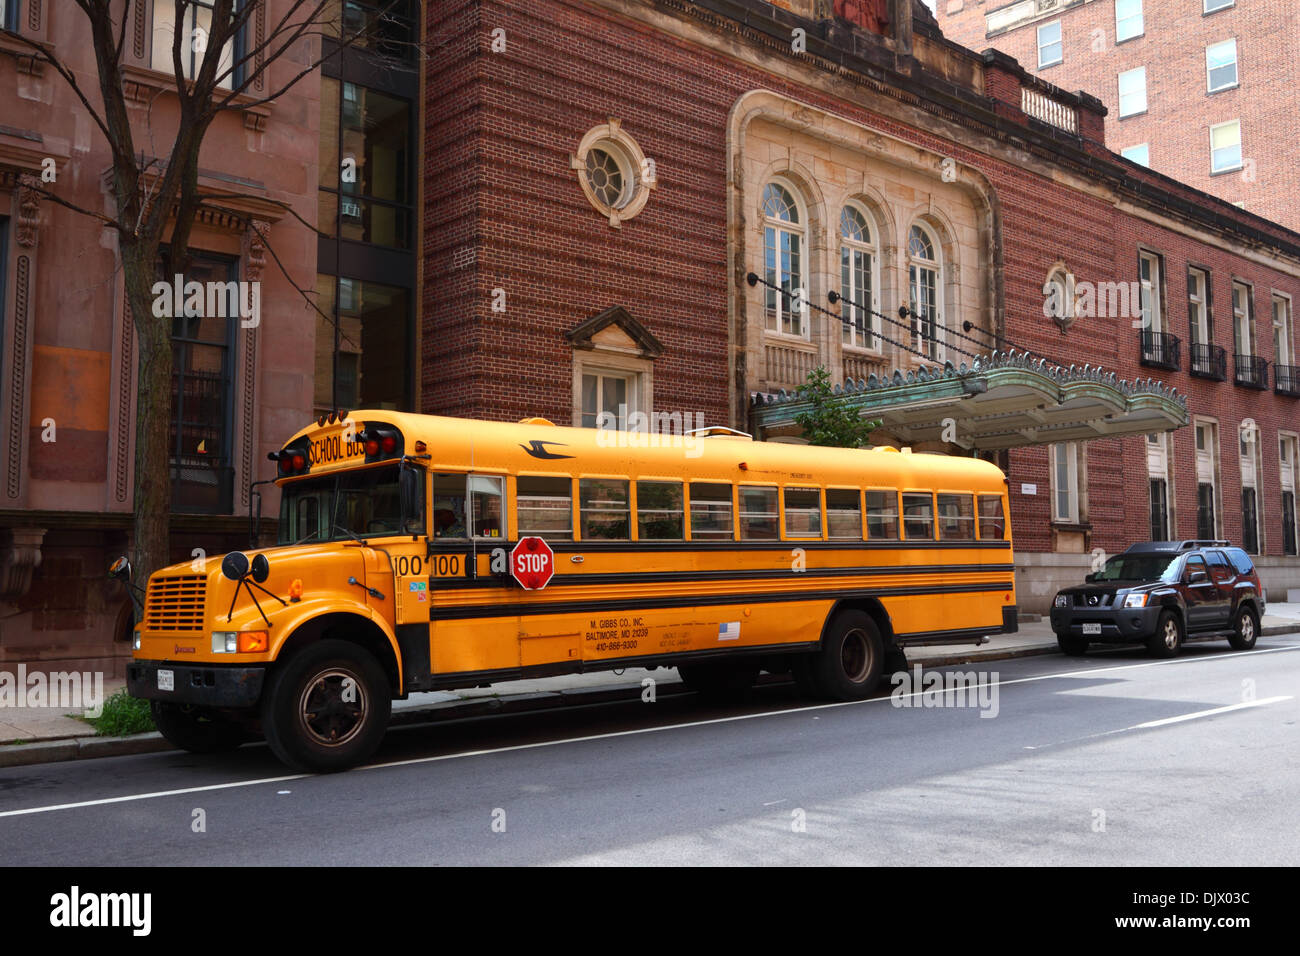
pixel 532 563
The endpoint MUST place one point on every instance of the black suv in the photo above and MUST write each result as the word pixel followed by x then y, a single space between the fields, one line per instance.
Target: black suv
pixel 1160 592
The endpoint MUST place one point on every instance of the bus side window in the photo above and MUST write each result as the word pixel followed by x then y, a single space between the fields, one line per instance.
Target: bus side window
pixel 956 517
pixel 449 506
pixel 758 514
pixel 603 505
pixel 659 511
pixel 992 522
pixel 918 517
pixel 710 511
pixel 803 513
pixel 545 507
pixel 882 515
pixel 486 514
pixel 844 513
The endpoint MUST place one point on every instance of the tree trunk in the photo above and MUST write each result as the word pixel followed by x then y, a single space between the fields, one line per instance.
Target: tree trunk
pixel 150 548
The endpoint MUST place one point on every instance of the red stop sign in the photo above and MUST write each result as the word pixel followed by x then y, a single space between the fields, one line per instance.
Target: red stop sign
pixel 532 563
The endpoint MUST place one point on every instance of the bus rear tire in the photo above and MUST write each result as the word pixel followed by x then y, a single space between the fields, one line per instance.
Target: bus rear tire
pixel 326 709
pixel 851 660
pixel 190 729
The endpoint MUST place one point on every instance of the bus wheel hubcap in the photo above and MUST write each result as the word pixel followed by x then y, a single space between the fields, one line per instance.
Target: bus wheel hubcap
pixel 855 656
pixel 332 707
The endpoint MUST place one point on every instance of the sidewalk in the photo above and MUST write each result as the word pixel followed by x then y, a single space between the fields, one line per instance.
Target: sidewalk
pixel 39 735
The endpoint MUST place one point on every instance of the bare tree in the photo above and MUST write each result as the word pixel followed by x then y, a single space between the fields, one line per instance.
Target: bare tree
pixel 157 199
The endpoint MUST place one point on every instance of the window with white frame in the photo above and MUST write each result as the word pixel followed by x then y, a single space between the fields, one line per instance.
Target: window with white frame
pixel 1283 332
pixel 1050 49
pixel 1065 483
pixel 1221 66
pixel 1128 19
pixel 1158 482
pixel 1150 298
pixel 1207 472
pixel 1288 453
pixel 783 262
pixel 1225 147
pixel 858 279
pixel 1198 311
pixel 1133 92
pixel 196 27
pixel 608 398
pixel 1140 154
pixel 925 294
pixel 1243 320
pixel 1248 442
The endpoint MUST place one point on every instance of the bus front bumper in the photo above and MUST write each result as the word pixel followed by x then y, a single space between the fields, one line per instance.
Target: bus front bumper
pixel 203 685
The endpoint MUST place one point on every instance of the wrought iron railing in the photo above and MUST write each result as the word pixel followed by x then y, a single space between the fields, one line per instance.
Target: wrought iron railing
pixel 1250 371
pixel 1286 379
pixel 1159 349
pixel 1209 361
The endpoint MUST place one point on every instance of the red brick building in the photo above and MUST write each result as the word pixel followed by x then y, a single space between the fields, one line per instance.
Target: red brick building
pixel 602 175
pixel 1201 90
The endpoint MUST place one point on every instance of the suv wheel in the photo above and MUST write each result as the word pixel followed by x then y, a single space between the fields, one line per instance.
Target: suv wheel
pixel 1072 645
pixel 1245 630
pixel 1168 638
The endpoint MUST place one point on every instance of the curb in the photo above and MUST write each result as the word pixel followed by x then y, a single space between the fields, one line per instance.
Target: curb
pixel 76 748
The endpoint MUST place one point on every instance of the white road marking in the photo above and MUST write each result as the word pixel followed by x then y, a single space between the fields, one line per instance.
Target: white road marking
pixel 628 733
pixel 1207 713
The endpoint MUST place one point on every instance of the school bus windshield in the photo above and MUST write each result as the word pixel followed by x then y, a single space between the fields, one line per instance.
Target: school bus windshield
pixel 347 505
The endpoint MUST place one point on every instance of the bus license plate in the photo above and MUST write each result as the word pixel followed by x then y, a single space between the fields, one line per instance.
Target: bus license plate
pixel 166 680
pixel 1092 628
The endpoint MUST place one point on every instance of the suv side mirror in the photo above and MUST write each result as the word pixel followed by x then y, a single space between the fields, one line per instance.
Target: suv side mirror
pixel 1197 577
pixel 1091 577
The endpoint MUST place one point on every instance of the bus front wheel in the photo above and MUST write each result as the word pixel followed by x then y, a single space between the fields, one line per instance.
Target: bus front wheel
pixel 851 659
pixel 327 707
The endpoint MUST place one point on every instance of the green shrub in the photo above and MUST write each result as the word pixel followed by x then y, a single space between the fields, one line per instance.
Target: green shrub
pixel 123 715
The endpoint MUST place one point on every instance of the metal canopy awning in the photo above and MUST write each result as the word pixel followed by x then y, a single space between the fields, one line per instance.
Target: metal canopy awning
pixel 1004 401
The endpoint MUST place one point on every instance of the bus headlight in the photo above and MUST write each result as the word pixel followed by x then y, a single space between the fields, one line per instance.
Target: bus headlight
pixel 135 641
pixel 1136 600
pixel 224 642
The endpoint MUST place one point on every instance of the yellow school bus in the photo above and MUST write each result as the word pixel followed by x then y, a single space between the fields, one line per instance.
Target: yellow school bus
pixel 399 569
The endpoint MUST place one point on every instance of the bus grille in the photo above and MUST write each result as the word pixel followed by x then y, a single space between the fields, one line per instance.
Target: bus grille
pixel 175 603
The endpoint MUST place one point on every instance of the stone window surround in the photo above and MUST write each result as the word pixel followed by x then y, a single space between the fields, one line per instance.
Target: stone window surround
pixel 636 168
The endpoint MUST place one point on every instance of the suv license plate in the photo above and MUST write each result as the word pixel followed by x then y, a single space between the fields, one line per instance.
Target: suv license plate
pixel 167 679
pixel 1087 629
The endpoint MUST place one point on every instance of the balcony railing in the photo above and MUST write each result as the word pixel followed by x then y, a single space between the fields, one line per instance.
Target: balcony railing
pixel 1042 107
pixel 1286 380
pixel 1209 361
pixel 1250 371
pixel 1160 349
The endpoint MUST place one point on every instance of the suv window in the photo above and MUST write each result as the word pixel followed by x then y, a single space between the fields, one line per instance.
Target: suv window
pixel 1218 562
pixel 1137 567
pixel 1194 563
pixel 1240 560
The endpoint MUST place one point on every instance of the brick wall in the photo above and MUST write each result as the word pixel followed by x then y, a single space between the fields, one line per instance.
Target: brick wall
pixel 568 67
pixel 1179 111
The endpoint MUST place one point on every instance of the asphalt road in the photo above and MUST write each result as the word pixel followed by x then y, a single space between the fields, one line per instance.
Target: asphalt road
pixel 1107 760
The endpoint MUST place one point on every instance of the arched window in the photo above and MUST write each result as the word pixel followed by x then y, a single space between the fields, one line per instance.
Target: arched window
pixel 858 279
pixel 924 291
pixel 783 263
pixel 1058 297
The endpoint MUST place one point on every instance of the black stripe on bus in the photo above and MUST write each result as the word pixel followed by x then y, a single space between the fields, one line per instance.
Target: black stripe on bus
pixel 485 545
pixel 452 613
pixel 676 577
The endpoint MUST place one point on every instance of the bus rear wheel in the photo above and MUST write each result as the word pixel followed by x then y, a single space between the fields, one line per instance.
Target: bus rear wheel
pixel 327 707
pixel 851 659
